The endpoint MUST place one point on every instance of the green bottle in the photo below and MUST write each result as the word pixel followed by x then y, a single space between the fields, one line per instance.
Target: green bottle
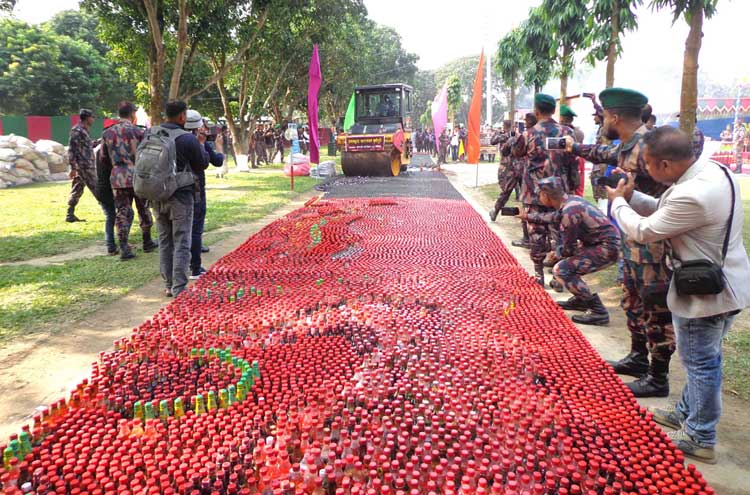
pixel 232 394
pixel 7 457
pixel 163 409
pixel 148 411
pixel 241 390
pixel 223 398
pixel 25 440
pixel 198 406
pixel 211 402
pixel 138 410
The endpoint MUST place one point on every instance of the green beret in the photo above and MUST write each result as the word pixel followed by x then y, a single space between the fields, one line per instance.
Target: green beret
pixel 550 184
pixel 544 102
pixel 622 98
pixel 566 111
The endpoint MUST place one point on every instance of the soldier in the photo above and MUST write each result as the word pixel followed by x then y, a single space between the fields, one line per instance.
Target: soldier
pixel 260 144
pixel 120 142
pixel 511 168
pixel 646 277
pixel 268 137
pixel 698 139
pixel 541 163
pixel 566 118
pixel 252 156
pixel 444 143
pixel 739 143
pixel 82 164
pixel 520 165
pixel 279 139
pixel 228 143
pixel 580 222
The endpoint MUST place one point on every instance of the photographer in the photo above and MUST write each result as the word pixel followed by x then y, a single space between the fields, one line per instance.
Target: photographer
pixel 582 223
pixel 700 218
pixel 646 277
pixel 197 126
pixel 542 162
pixel 506 176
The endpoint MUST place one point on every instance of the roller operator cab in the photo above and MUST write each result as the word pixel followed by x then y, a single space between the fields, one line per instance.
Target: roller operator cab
pixel 379 142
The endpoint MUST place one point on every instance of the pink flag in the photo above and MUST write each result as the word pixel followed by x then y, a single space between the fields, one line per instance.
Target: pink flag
pixel 440 113
pixel 312 104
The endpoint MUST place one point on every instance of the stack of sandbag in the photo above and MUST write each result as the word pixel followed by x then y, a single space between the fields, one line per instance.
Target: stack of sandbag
pixel 23 162
pixel 297 164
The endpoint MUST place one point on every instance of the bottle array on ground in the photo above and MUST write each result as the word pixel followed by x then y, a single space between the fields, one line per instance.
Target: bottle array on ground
pixel 353 347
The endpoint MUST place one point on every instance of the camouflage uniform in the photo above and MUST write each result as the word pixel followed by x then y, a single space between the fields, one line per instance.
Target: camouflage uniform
pixel 81 158
pixel 120 142
pixel 698 140
pixel 507 178
pixel 599 247
pixel 599 169
pixel 646 277
pixel 260 146
pixel 540 164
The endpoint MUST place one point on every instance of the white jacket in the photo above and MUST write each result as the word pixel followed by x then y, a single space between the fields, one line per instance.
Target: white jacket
pixel 693 214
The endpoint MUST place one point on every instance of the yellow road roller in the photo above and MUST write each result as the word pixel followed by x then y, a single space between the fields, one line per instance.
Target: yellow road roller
pixel 379 142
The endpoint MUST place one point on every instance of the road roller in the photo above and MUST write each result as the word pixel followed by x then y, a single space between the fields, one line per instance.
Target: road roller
pixel 379 142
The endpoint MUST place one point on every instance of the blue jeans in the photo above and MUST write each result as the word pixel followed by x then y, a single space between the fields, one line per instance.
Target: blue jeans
pixel 199 219
pixel 109 225
pixel 699 345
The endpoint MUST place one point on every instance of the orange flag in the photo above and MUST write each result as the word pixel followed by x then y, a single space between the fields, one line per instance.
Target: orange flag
pixel 475 115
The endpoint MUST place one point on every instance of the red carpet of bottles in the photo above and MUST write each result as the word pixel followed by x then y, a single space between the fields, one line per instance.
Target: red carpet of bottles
pixel 366 346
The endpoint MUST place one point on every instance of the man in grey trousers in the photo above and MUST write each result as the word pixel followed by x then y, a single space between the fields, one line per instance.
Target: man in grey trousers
pixel 174 217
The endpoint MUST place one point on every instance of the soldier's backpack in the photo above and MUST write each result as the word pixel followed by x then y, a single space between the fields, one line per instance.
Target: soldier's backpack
pixel 156 176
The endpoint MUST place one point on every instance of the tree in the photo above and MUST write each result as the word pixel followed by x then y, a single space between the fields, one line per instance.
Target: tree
pixel 49 74
pixel 80 25
pixel 693 11
pixel 425 90
pixel 455 98
pixel 609 20
pixel 509 63
pixel 7 5
pixel 567 22
pixel 538 44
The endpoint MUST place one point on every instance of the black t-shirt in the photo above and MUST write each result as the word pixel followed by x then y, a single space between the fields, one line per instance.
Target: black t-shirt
pixel 190 153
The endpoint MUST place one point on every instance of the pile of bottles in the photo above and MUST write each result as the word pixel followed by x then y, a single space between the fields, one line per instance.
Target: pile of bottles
pixel 383 346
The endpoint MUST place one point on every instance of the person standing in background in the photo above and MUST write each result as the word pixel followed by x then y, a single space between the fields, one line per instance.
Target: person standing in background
pixel 81 159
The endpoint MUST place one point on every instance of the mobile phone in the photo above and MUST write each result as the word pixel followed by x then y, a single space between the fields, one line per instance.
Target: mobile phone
pixel 509 211
pixel 555 143
pixel 587 95
pixel 611 180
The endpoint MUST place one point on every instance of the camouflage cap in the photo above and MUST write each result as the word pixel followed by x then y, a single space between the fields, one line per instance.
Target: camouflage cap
pixel 550 185
pixel 622 98
pixel 566 111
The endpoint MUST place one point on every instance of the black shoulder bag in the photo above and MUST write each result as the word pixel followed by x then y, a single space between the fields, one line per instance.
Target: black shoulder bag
pixel 704 277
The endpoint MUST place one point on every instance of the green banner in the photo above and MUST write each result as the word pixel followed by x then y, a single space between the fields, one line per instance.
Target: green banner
pixel 15 124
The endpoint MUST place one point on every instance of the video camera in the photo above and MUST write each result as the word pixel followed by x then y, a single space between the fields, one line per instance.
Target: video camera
pixel 611 180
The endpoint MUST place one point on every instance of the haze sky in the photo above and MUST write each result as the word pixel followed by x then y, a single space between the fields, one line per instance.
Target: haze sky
pixel 442 31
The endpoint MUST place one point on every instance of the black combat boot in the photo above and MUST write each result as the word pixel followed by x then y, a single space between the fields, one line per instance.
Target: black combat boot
pixel 126 253
pixel 71 217
pixel 655 383
pixel 493 214
pixel 636 363
pixel 524 243
pixel 596 313
pixel 574 303
pixel 539 274
pixel 557 286
pixel 148 243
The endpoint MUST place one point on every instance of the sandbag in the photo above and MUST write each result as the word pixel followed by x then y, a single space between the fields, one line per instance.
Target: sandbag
pixel 327 169
pixel 60 176
pixel 24 164
pixel 48 146
pixel 8 154
pixel 299 169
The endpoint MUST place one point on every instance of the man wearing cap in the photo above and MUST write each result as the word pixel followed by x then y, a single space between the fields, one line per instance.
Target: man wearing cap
pixel 541 163
pixel 120 142
pixel 82 164
pixel 566 118
pixel 506 172
pixel 646 276
pixel 589 242
pixel 198 127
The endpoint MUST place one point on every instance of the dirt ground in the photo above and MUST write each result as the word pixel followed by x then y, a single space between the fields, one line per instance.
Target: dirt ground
pixel 731 476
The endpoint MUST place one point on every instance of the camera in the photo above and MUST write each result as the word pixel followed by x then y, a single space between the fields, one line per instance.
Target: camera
pixel 509 211
pixel 555 143
pixel 611 180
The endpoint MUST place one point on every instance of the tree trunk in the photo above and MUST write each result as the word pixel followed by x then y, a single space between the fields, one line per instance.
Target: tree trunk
pixel 239 146
pixel 156 70
pixel 182 41
pixel 689 95
pixel 612 48
pixel 564 74
pixel 513 98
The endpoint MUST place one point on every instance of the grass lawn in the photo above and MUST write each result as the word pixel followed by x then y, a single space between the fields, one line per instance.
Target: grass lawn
pixel 33 226
pixel 736 344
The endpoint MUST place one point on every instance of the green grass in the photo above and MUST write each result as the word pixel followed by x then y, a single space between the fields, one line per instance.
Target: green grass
pixel 38 297
pixel 737 343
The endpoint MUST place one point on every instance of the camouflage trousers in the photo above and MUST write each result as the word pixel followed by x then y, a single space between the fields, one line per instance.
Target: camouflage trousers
pixel 598 170
pixel 124 214
pixel 644 300
pixel 86 178
pixel 590 259
pixel 539 236
pixel 509 181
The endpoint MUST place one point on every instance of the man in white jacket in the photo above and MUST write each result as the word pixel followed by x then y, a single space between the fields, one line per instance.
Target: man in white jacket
pixel 693 216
